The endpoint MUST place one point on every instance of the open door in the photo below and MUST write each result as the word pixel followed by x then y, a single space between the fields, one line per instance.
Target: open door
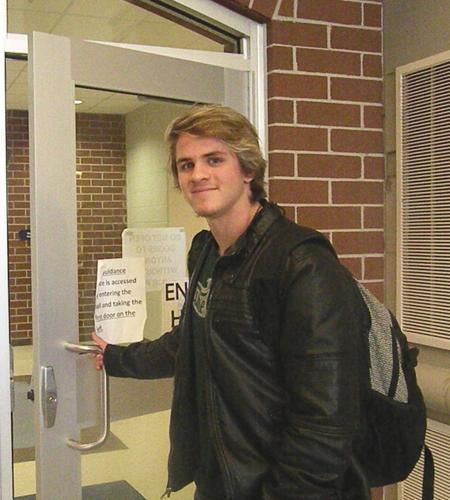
pixel 58 65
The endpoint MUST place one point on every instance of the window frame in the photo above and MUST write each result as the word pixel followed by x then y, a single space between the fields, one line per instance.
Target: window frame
pixel 405 316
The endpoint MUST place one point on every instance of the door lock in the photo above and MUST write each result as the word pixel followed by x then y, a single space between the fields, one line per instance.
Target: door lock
pixel 49 396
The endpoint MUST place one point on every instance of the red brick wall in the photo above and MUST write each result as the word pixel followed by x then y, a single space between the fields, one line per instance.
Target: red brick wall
pixel 19 255
pixel 101 198
pixel 326 163
pixel 101 211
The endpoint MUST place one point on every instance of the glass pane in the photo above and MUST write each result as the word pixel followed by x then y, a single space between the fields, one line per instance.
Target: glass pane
pixel 122 181
pixel 138 22
pixel 19 249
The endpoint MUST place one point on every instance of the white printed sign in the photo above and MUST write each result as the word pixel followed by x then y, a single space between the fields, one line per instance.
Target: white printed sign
pixel 120 305
pixel 174 295
pixel 164 251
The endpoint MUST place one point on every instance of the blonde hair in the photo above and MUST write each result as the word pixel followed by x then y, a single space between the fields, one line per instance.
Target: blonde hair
pixel 229 126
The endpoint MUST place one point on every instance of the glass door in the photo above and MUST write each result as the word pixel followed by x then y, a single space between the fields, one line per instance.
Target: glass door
pixel 77 215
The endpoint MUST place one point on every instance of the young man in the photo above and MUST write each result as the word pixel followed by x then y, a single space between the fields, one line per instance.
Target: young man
pixel 269 357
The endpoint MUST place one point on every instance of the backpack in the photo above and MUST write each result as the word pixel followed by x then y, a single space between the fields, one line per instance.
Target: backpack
pixel 396 408
pixel 396 412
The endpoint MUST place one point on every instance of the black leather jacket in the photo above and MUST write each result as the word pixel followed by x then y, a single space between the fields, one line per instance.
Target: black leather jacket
pixel 286 364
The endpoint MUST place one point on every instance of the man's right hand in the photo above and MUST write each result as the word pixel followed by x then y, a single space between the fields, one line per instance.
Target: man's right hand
pixel 102 344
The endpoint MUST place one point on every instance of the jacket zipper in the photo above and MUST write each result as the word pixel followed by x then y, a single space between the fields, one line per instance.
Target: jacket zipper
pixel 168 492
pixel 210 399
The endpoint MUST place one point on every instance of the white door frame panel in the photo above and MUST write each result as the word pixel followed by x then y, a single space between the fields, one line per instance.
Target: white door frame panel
pixel 5 366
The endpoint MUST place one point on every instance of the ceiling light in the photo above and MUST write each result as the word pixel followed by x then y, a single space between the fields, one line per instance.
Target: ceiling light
pixel 78 101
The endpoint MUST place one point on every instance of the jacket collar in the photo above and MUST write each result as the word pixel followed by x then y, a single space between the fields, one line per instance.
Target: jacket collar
pixel 245 244
pixel 261 222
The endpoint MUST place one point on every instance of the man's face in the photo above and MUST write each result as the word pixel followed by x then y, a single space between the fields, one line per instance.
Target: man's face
pixel 211 178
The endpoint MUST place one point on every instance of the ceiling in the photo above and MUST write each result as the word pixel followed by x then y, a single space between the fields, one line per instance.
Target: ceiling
pixel 107 20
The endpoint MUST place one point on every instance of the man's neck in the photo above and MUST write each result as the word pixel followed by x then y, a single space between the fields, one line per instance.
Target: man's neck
pixel 227 230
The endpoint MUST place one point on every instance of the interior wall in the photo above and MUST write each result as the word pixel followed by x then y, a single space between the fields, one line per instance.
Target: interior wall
pixel 414 29
pixel 153 200
pixel 146 165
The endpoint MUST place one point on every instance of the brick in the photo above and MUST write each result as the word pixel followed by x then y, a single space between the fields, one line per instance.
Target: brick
pixel 326 113
pixel 330 217
pixel 280 57
pixel 244 3
pixel 264 7
pixel 328 61
pixel 287 8
pixel 356 89
pixel 91 161
pixel 357 141
pixel 373 268
pixel 118 204
pixel 373 217
pixel 281 164
pixel 372 65
pixel 297 34
pixel 289 212
pixel 113 161
pixel 359 39
pixel 374 167
pixel 357 192
pixel 297 86
pixel 372 15
pixel 298 191
pixel 297 138
pixel 358 242
pixel 334 11
pixel 354 265
pixel 114 190
pixel 378 290
pixel 281 111
pixel 20 190
pixel 373 117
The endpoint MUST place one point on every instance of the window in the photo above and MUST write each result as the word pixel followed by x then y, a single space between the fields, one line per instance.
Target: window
pixel 145 22
pixel 423 200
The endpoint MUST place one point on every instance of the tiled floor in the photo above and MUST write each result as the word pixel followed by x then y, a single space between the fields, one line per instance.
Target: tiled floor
pixel 140 459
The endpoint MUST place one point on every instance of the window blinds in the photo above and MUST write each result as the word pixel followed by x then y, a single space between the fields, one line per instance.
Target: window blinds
pixel 438 440
pixel 424 203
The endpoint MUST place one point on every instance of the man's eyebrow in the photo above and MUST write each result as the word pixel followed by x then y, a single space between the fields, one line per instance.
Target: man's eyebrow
pixel 206 155
pixel 214 153
pixel 181 160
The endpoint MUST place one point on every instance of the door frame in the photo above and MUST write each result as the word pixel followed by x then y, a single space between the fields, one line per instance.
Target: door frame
pixel 254 43
pixel 53 210
pixel 6 482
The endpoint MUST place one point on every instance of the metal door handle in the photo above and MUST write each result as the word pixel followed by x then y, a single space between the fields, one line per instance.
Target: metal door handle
pixel 77 445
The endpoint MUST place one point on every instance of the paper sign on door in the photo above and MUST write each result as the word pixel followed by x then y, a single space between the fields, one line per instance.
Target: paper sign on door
pixel 120 305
